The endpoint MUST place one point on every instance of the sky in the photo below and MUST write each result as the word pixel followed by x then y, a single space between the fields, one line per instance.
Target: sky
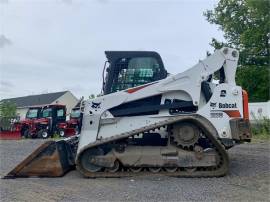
pixel 56 45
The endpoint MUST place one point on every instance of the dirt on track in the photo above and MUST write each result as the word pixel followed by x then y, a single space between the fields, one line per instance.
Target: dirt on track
pixel 248 180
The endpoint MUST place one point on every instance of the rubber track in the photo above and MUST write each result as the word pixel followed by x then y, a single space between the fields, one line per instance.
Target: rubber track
pixel 203 124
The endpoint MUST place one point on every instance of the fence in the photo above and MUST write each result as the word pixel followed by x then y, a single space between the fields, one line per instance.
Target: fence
pixel 259 111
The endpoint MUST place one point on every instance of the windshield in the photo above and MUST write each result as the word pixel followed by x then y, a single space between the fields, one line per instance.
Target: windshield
pixel 32 113
pixel 46 113
pixel 75 113
pixel 136 71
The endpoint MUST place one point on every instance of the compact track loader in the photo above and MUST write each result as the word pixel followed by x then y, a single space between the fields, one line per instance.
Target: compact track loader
pixel 150 122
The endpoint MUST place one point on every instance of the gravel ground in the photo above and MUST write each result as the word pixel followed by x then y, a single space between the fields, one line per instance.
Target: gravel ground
pixel 248 180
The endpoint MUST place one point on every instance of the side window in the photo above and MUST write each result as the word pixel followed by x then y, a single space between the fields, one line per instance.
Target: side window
pixel 135 71
pixel 60 112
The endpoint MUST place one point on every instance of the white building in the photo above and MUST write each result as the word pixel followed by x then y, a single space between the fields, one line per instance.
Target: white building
pixel 23 103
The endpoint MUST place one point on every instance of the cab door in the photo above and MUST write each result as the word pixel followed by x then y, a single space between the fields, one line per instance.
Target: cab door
pixel 59 116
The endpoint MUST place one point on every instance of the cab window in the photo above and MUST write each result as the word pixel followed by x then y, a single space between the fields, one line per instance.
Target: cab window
pixel 60 112
pixel 47 113
pixel 75 113
pixel 135 71
pixel 32 113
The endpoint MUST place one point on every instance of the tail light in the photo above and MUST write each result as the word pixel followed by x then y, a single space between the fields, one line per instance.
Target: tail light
pixel 245 105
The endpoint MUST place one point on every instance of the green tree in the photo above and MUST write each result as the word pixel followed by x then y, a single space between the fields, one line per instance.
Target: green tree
pixel 246 27
pixel 7 113
pixel 7 109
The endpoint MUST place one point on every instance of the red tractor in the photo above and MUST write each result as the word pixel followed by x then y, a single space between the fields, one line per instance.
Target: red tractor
pixel 44 122
pixel 52 121
pixel 74 124
pixel 24 127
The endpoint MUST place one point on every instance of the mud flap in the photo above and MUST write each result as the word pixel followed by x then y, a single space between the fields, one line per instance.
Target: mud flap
pixel 51 159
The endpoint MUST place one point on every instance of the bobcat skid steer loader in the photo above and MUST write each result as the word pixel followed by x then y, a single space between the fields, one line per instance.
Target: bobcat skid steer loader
pixel 149 122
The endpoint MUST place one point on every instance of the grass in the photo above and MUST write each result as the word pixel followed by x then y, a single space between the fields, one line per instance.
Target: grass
pixel 55 137
pixel 260 129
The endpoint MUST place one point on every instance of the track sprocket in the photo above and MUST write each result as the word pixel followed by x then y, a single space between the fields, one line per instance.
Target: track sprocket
pixel 185 134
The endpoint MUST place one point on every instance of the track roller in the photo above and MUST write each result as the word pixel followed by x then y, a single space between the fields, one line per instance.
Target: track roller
pixel 154 169
pixel 135 169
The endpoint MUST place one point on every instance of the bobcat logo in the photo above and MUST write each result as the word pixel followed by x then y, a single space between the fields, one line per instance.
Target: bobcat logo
pixel 213 104
pixel 96 105
pixel 227 105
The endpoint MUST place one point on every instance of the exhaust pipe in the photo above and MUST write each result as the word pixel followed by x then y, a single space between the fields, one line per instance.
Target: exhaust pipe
pixel 51 159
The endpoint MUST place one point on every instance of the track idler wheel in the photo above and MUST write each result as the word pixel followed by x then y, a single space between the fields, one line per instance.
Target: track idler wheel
pixel 88 159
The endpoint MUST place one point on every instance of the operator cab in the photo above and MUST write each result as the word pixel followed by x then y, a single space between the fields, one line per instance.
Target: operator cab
pixel 33 113
pixel 128 69
pixel 56 112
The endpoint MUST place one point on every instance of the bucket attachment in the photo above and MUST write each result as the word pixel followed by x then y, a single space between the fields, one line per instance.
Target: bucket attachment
pixel 10 135
pixel 51 159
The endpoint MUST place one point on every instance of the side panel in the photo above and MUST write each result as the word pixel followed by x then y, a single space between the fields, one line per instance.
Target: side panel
pixel 224 105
